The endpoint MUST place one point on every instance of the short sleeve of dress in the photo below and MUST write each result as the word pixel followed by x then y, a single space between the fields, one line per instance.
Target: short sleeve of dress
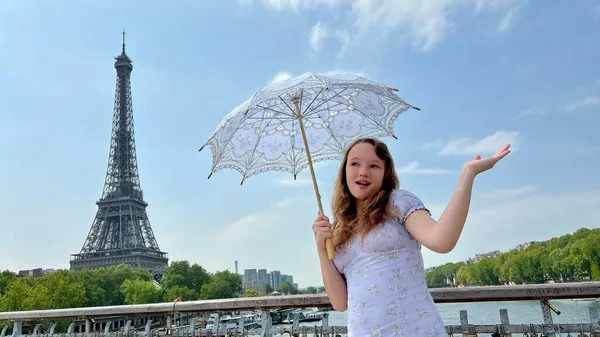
pixel 406 202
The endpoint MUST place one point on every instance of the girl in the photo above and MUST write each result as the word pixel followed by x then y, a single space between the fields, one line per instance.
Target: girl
pixel 378 229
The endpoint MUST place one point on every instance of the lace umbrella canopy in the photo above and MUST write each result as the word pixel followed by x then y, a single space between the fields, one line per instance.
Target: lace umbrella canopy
pixel 291 124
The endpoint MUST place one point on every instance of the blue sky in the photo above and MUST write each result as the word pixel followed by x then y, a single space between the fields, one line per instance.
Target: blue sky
pixel 484 72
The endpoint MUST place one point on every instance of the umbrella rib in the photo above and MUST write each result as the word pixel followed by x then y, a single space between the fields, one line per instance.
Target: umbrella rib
pixel 293 137
pixel 314 99
pixel 314 111
pixel 273 110
pixel 324 123
pixel 374 120
pixel 326 100
pixel 287 118
pixel 358 110
pixel 289 107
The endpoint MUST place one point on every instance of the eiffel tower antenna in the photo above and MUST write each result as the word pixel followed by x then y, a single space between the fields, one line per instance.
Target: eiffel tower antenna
pixel 121 232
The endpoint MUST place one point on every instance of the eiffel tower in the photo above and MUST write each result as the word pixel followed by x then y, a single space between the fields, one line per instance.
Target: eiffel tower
pixel 121 232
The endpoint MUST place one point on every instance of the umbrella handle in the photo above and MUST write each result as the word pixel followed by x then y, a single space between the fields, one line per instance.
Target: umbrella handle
pixel 328 242
pixel 330 250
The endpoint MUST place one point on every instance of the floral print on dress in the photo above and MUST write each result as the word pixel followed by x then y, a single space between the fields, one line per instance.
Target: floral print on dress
pixel 387 292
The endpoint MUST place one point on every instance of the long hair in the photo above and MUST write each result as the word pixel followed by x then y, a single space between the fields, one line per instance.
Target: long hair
pixel 347 221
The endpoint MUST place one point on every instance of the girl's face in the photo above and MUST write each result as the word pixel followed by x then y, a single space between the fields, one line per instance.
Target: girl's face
pixel 364 172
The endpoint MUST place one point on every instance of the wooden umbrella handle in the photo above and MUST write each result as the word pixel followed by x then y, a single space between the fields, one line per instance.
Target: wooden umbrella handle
pixel 328 243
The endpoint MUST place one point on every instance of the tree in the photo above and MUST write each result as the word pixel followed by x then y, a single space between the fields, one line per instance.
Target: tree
pixel 181 274
pixel 172 293
pixel 571 257
pixel 287 288
pixel 251 293
pixel 223 284
pixel 311 290
pixel 139 292
pixel 5 278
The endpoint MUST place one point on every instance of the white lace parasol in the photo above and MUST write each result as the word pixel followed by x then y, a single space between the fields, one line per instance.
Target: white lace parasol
pixel 324 113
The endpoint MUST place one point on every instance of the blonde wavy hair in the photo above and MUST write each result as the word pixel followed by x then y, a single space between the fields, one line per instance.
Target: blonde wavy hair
pixel 347 221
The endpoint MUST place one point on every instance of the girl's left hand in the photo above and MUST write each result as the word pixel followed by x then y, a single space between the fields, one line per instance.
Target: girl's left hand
pixel 479 165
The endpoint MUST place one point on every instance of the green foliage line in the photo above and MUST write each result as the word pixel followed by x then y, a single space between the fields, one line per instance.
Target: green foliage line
pixel 568 258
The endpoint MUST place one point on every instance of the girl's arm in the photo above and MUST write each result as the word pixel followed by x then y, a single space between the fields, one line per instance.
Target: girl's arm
pixel 442 236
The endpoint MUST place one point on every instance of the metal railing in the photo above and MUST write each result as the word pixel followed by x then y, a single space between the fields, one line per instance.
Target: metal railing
pixel 85 317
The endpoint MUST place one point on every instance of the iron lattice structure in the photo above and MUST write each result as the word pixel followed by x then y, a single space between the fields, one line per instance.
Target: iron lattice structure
pixel 121 232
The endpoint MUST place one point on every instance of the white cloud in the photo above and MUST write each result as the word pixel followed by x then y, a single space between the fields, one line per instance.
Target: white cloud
pixel 581 97
pixel 534 111
pixel 344 38
pixel 509 19
pixel 281 76
pixel 275 238
pixel 513 220
pixel 507 193
pixel 588 102
pixel 413 168
pixel 425 22
pixel 317 35
pixel 345 71
pixel 471 146
pixel 294 4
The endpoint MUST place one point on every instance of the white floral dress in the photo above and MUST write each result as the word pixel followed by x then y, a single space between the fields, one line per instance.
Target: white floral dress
pixel 387 292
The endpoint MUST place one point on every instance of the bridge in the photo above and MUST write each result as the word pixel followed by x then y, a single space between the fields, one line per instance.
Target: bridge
pixel 86 322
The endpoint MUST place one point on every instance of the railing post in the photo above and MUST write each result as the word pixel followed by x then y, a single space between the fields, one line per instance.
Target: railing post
pixel 325 324
pixel 266 324
pixel 464 323
pixel 296 324
pixel 107 327
pixel 147 328
pixel 52 329
pixel 126 329
pixel 36 329
pixel 4 331
pixel 217 323
pixel 505 321
pixel 241 322
pixel 17 329
pixel 547 315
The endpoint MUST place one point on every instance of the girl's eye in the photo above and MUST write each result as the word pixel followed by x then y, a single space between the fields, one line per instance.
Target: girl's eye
pixel 375 166
pixel 354 164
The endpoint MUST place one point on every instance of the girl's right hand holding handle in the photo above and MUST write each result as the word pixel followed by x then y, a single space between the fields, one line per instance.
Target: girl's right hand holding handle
pixel 322 230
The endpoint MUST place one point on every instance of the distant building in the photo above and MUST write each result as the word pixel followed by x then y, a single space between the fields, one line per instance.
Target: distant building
pixel 288 278
pixel 479 257
pixel 525 245
pixel 259 279
pixel 275 278
pixel 37 272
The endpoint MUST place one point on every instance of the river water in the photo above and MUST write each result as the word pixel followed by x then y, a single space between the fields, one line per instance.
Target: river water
pixel 519 312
